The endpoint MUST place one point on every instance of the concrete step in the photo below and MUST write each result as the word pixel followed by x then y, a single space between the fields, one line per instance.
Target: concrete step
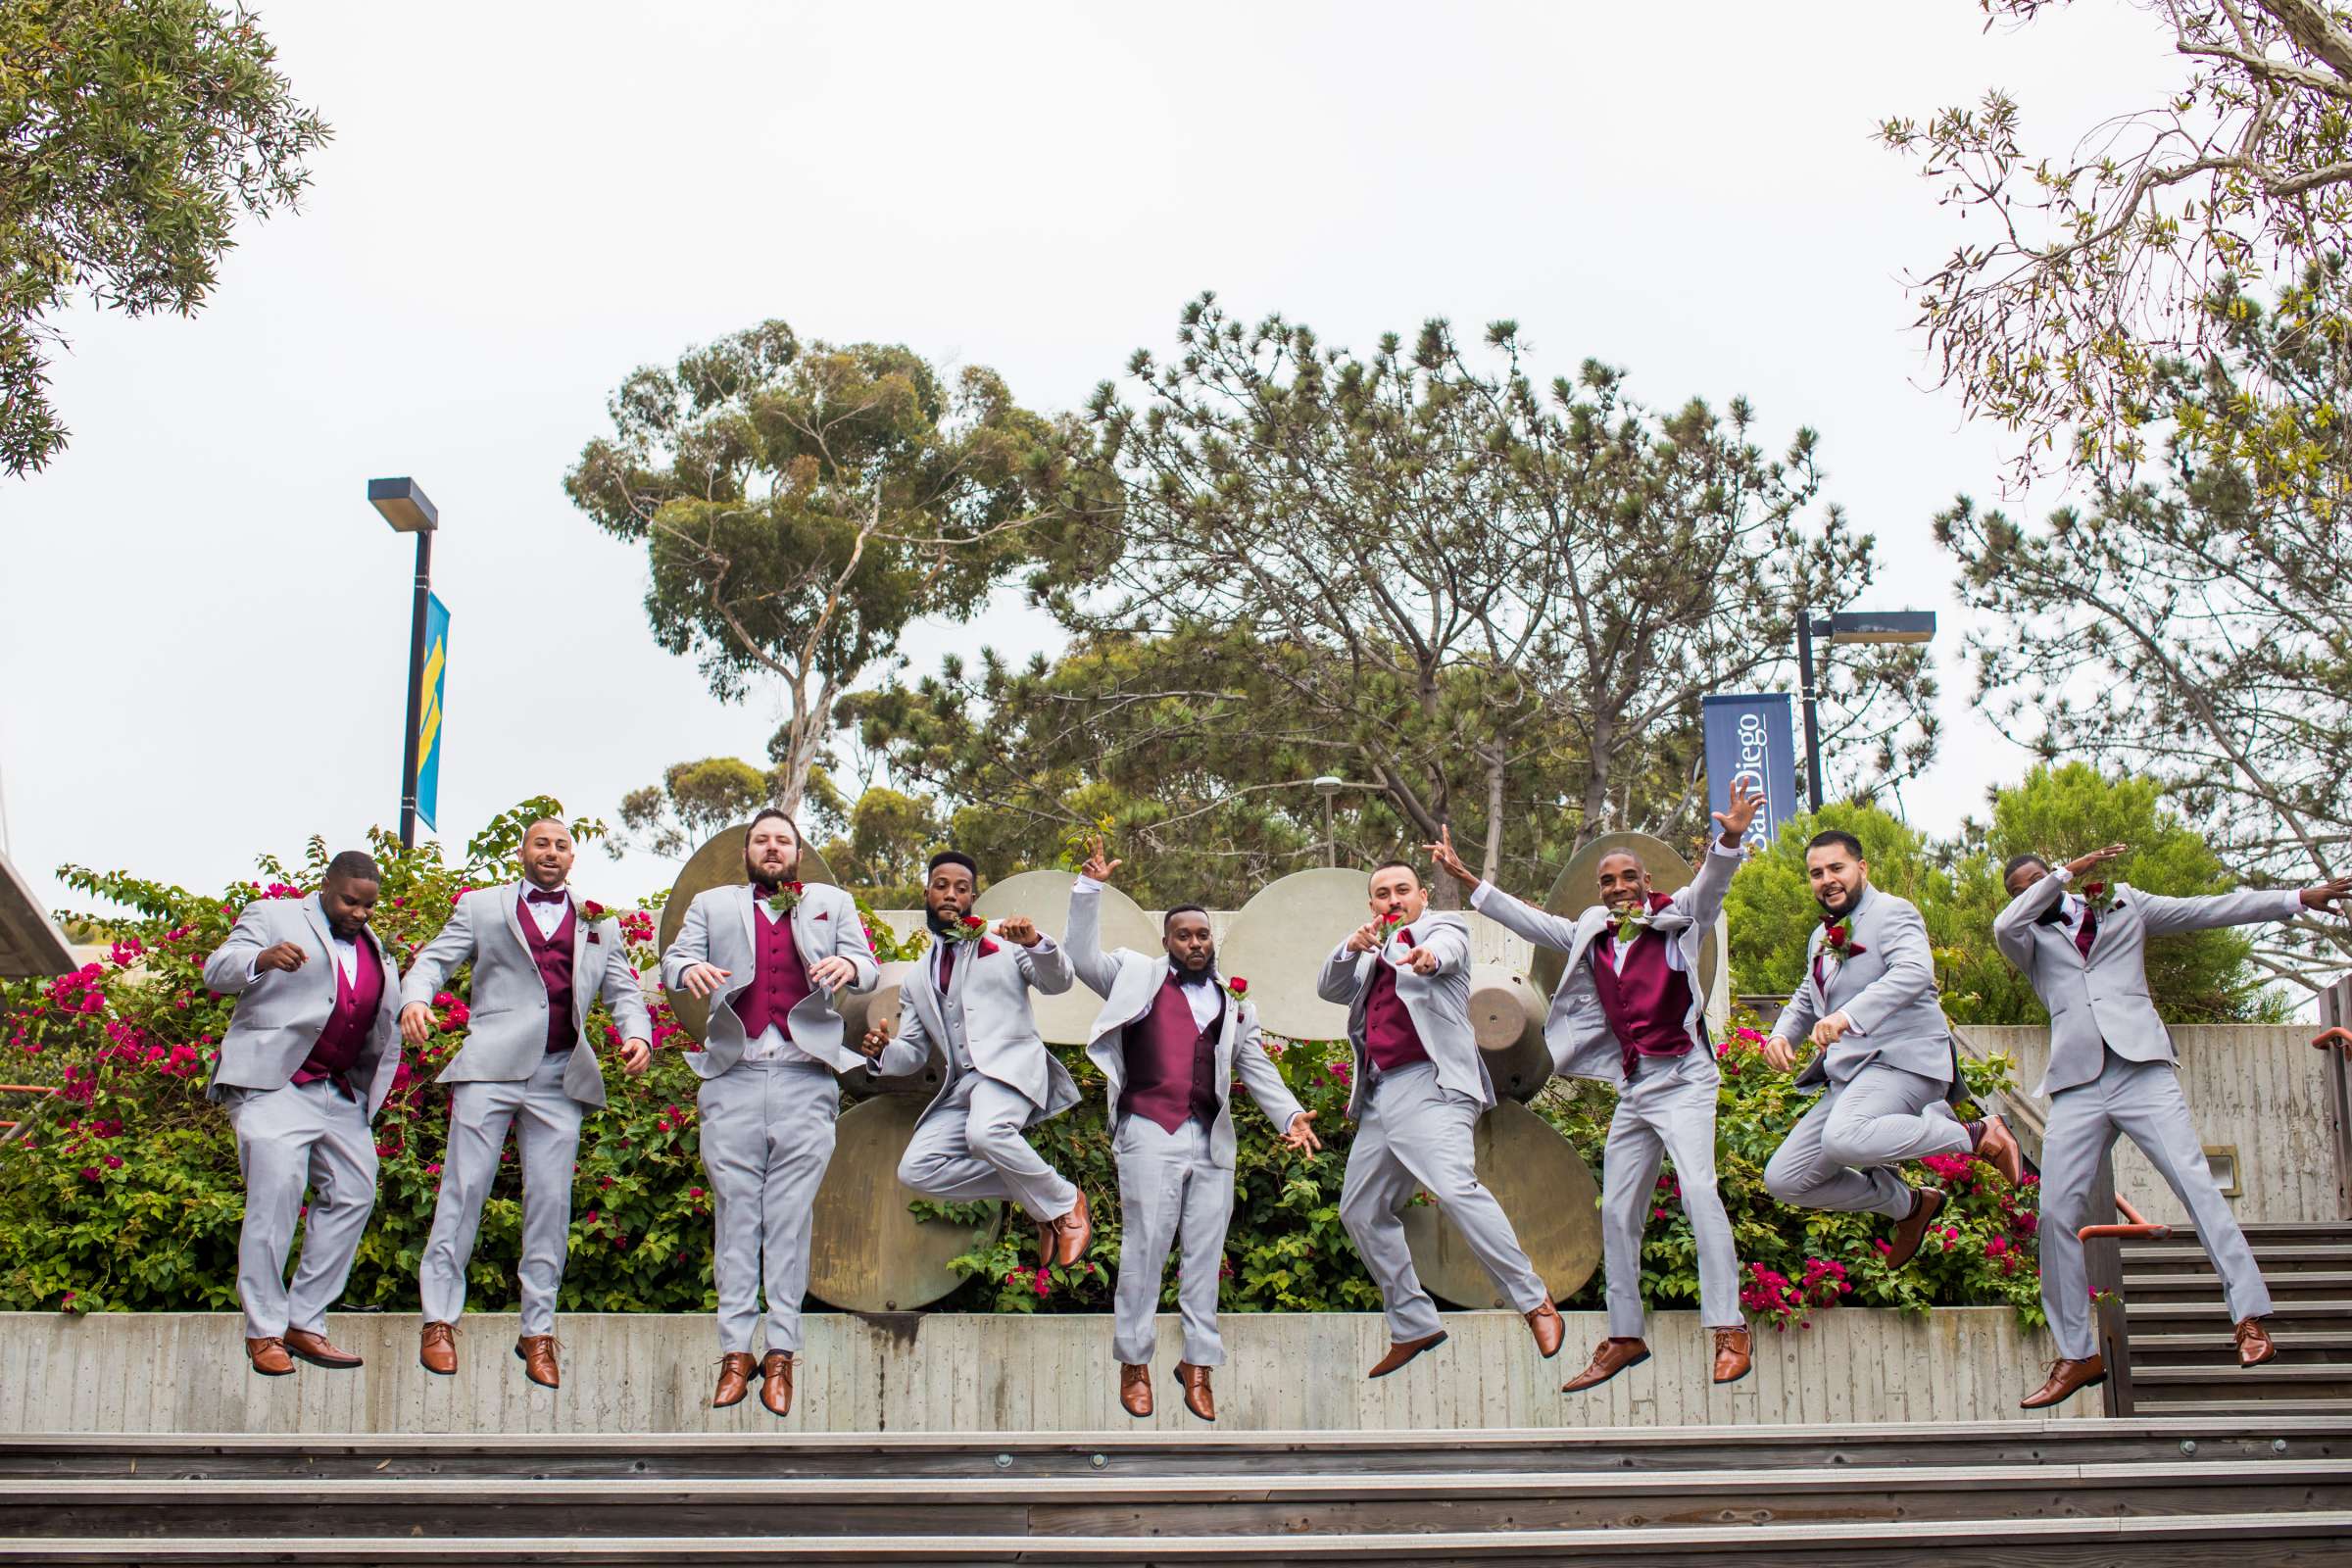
pixel 2295 1346
pixel 2317 1315
pixel 2313 1285
pixel 2193 1407
pixel 2294 1540
pixel 1244 1503
pixel 2283 1233
pixel 2273 1261
pixel 2274 1380
pixel 786 1455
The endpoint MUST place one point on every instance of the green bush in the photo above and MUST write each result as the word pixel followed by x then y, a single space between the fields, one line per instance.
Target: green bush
pixel 129 1196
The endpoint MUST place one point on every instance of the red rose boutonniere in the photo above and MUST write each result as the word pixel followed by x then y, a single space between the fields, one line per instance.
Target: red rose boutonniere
pixel 1237 987
pixel 1840 940
pixel 1389 925
pixel 591 912
pixel 971 928
pixel 2099 896
pixel 786 899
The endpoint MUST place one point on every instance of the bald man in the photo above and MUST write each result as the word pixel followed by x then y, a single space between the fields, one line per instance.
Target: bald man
pixel 539 958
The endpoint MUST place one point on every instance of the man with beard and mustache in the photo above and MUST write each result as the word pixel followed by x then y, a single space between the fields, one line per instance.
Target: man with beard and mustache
pixel 1627 1013
pixel 539 957
pixel 1169 1039
pixel 2112 1070
pixel 309 1054
pixel 1418 1088
pixel 770 957
pixel 1869 1002
pixel 970 992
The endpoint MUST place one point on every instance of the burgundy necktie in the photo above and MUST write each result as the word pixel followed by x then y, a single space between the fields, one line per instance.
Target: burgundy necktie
pixel 2088 932
pixel 946 965
pixel 541 896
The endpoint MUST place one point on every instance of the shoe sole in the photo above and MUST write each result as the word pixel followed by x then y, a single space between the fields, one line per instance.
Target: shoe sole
pixel 263 1372
pixel 729 1404
pixel 2063 1398
pixel 2248 1366
pixel 1603 1383
pixel 351 1365
pixel 1408 1360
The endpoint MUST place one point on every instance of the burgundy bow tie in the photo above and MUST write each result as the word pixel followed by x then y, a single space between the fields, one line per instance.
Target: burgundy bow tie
pixel 541 896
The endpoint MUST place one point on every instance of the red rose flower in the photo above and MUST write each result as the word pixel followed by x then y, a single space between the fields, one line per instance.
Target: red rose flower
pixel 1240 986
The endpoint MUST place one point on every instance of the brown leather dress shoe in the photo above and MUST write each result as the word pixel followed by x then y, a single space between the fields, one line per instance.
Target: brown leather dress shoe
pixel 1609 1358
pixel 735 1370
pixel 1912 1228
pixel 1404 1351
pixel 1550 1329
pixel 537 1353
pixel 2067 1379
pixel 1734 1354
pixel 438 1352
pixel 775 1383
pixel 314 1349
pixel 269 1356
pixel 1072 1232
pixel 1197 1395
pixel 1135 1390
pixel 1999 1147
pixel 2254 1345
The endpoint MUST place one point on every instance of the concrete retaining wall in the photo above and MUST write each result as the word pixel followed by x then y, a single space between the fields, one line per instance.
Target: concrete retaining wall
pixel 634 1373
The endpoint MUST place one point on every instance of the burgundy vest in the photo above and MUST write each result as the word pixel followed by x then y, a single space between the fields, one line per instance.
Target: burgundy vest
pixel 553 956
pixel 1390 1038
pixel 349 1025
pixel 1647 1001
pixel 1171 1062
pixel 779 979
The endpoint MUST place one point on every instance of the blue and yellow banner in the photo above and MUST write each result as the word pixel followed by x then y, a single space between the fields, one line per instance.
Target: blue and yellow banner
pixel 428 723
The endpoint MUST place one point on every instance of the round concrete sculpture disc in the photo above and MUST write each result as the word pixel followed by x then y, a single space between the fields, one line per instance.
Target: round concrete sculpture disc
pixel 879 1008
pixel 1542 1186
pixel 1044 897
pixel 718 863
pixel 866 1253
pixel 1577 888
pixel 1278 943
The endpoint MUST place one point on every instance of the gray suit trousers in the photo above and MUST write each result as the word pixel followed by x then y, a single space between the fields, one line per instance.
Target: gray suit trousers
pixel 969 1146
pixel 1414 1134
pixel 1842 1153
pixel 2142 1099
pixel 289 1139
pixel 1666 1112
pixel 479 1114
pixel 767 1137
pixel 1169 1188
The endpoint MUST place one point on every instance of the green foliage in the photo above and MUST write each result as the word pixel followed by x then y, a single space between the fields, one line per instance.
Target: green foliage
pixel 2197 627
pixel 799 502
pixel 2057 812
pixel 694 800
pixel 132 133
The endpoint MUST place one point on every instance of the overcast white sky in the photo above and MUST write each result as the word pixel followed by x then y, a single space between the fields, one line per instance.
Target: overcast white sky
pixel 205 635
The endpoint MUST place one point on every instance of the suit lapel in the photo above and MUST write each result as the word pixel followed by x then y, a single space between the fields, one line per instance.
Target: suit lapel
pixel 582 983
pixel 511 899
pixel 749 908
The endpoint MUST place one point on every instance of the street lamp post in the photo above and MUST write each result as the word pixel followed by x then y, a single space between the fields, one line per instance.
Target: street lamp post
pixel 405 506
pixel 1328 785
pixel 1846 626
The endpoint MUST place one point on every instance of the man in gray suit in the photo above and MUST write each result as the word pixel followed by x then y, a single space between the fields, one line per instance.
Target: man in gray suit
pixel 1627 1011
pixel 970 992
pixel 1416 1094
pixel 2112 1070
pixel 1171 1036
pixel 770 958
pixel 539 958
pixel 308 1059
pixel 1868 1002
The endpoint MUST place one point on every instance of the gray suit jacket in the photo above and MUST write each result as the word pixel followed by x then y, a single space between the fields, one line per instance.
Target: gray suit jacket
pixel 1887 991
pixel 1438 1004
pixel 2101 1003
pixel 720 929
pixel 1129 982
pixel 506 1034
pixel 279 1016
pixel 1582 1044
pixel 987 1010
